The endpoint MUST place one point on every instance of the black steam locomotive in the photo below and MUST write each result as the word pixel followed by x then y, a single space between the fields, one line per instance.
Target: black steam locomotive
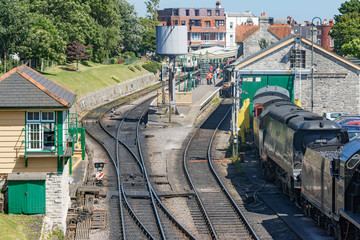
pixel 311 159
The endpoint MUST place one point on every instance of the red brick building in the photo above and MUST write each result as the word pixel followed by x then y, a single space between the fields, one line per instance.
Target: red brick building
pixel 323 37
pixel 206 26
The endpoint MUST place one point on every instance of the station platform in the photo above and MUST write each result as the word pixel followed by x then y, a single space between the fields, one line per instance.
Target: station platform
pixel 201 96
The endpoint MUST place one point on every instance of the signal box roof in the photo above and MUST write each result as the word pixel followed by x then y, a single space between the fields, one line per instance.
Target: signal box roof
pixel 23 87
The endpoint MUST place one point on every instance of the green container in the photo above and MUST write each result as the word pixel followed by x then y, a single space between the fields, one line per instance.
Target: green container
pixel 26 197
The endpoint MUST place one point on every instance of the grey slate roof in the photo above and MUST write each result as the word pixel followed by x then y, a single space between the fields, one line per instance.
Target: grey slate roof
pixel 25 88
pixel 261 51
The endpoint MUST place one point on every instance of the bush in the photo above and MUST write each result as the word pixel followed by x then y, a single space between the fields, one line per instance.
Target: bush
pixel 152 66
pixel 137 67
pixel 130 54
pixel 113 61
pixel 115 79
pixel 132 68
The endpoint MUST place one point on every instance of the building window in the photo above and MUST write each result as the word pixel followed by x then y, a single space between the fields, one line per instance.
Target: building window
pixel 196 12
pixel 219 23
pixel 209 12
pixel 331 43
pixel 183 23
pixel 176 12
pixel 220 36
pixel 40 131
pixel 231 24
pixel 318 32
pixel 176 22
pixel 297 58
pixel 194 22
pixel 187 12
pixel 207 23
pixel 217 12
pixel 195 37
pixel 231 38
pixel 318 42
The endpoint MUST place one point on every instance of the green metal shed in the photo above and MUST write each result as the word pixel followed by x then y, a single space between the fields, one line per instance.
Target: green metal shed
pixel 26 193
pixel 252 83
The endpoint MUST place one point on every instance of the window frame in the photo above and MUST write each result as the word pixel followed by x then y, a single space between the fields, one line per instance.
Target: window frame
pixel 217 12
pixel 209 13
pixel 187 12
pixel 219 22
pixel 207 23
pixel 302 59
pixel 50 131
pixel 197 12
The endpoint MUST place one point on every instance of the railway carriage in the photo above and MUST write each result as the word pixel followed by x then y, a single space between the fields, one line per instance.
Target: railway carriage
pixel 310 159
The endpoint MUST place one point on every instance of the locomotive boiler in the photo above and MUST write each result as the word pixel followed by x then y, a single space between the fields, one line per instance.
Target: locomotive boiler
pixel 310 159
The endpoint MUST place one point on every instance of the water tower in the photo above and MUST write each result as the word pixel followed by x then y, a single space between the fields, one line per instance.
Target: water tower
pixel 171 41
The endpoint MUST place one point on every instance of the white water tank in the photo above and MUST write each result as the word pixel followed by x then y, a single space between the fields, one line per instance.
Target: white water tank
pixel 171 40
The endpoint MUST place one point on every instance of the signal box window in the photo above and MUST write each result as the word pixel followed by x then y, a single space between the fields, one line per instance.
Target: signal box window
pixel 40 133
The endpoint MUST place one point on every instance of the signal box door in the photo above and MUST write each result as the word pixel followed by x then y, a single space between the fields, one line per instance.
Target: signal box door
pixel 26 197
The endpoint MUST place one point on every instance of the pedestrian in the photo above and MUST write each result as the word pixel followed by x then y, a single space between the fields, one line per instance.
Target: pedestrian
pixel 208 77
pixel 218 72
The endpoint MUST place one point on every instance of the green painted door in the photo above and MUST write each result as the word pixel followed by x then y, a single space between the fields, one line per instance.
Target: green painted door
pixel 27 197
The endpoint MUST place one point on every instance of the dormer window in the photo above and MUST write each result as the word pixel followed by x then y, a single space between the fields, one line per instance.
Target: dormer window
pixel 209 12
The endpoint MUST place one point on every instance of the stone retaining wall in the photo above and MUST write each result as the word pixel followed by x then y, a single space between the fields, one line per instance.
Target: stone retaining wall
pixel 57 197
pixel 110 93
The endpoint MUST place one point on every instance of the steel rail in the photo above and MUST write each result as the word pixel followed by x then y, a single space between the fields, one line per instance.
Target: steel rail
pixel 202 207
pixel 131 212
pixel 152 190
pixel 142 166
pixel 247 224
pixel 146 176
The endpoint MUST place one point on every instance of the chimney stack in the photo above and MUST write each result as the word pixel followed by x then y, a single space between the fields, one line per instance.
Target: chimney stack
pixel 218 5
pixel 331 22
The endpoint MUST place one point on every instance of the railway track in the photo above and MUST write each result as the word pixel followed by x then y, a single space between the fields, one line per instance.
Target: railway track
pixel 141 213
pixel 216 208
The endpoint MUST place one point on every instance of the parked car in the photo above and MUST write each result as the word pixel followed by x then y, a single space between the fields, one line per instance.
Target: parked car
pixel 347 118
pixel 352 130
pixel 334 115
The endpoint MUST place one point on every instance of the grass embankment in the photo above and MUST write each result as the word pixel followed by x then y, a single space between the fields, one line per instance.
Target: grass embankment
pixel 93 76
pixel 20 226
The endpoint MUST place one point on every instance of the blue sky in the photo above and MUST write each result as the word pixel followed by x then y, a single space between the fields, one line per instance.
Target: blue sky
pixel 300 10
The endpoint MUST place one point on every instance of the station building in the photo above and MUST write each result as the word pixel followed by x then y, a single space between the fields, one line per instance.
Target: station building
pixel 37 139
pixel 333 86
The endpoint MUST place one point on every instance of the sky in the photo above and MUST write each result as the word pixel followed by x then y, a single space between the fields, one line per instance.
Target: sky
pixel 301 10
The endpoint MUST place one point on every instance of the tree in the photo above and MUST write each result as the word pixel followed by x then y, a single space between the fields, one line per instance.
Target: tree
pixel 348 7
pixel 76 50
pixel 263 43
pixel 344 32
pixel 148 42
pixel 152 7
pixel 130 27
pixel 44 40
pixel 13 27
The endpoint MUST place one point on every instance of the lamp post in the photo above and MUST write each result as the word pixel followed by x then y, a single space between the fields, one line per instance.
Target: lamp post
pixel 194 59
pixel 312 62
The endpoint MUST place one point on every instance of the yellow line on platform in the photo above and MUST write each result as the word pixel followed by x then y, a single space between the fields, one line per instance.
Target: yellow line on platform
pixel 77 163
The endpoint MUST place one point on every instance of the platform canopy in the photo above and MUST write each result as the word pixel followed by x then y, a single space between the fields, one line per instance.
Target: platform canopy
pixel 215 52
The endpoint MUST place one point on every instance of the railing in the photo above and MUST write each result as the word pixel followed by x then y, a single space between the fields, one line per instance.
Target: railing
pixel 47 140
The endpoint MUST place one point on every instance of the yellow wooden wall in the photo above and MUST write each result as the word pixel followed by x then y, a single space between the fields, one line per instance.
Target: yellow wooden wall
pixel 12 146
